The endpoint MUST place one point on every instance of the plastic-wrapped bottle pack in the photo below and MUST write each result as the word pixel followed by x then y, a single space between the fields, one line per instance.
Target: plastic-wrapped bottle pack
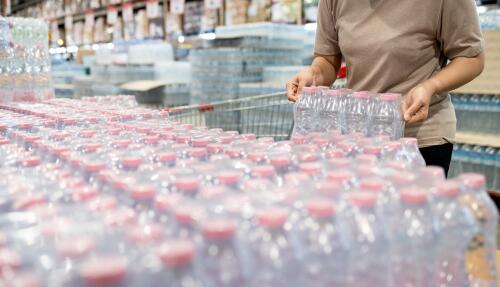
pixel 321 109
pixel 24 60
pixel 113 194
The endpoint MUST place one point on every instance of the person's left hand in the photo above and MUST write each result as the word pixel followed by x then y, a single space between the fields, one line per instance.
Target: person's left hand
pixel 416 103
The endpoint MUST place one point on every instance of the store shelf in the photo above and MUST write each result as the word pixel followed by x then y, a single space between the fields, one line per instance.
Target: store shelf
pixel 492 140
pixel 24 5
pixel 101 12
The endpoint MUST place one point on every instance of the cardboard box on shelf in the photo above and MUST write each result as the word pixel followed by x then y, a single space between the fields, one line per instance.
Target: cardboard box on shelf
pixel 193 14
pixel 78 33
pixel 118 29
pixel 142 25
pixel 259 10
pixel 286 11
pixel 156 28
pixel 173 24
pixel 236 12
pixel 209 20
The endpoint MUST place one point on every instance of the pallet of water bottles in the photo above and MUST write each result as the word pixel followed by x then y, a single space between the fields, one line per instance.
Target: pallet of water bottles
pixel 97 194
pixel 322 109
pixel 24 60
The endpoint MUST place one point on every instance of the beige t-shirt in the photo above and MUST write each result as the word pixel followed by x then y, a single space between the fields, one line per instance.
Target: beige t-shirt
pixel 393 45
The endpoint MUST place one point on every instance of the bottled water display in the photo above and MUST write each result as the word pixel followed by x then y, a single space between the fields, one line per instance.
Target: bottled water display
pixel 321 109
pixel 24 60
pixel 477 113
pixel 490 20
pixel 102 192
pixel 485 160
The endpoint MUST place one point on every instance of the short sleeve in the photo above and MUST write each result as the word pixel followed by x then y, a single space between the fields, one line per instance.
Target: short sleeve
pixel 326 34
pixel 460 32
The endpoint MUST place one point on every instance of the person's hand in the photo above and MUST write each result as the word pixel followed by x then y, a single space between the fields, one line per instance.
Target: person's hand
pixel 415 106
pixel 294 87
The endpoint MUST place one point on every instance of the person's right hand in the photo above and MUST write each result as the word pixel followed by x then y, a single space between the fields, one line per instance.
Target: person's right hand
pixel 294 87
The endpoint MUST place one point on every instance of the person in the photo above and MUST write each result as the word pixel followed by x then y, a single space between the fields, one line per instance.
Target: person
pixel 421 49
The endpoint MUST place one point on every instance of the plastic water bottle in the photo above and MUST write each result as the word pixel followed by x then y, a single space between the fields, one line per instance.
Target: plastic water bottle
pixel 103 270
pixel 325 247
pixel 386 116
pixel 178 258
pixel 483 245
pixel 368 243
pixel 304 111
pixel 221 261
pixel 455 228
pixel 330 110
pixel 357 111
pixel 275 261
pixel 414 233
pixel 410 153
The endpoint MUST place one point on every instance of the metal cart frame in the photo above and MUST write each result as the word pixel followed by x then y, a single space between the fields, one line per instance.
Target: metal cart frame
pixel 268 115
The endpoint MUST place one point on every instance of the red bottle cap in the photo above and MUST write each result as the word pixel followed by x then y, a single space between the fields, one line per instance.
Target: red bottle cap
pixel 280 161
pixel 31 161
pixel 92 167
pixel 320 208
pixel 142 192
pixel 176 254
pixel 272 218
pixel 413 195
pixel 310 168
pixel 473 180
pixel 104 270
pixel 229 177
pixel 363 199
pixel 215 148
pixel 166 157
pixel 187 184
pixel 131 162
pixel 448 189
pixel 218 229
pixel 263 171
pixel 234 152
pixel 201 142
pixel 372 185
pixel 299 139
pixel 197 152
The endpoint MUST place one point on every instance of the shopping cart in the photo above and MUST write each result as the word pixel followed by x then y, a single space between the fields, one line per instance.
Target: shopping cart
pixel 268 115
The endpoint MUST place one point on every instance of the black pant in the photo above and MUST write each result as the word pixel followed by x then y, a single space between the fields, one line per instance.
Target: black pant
pixel 438 155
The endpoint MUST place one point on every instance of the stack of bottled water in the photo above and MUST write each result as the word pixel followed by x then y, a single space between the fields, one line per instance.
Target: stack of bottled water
pixel 24 60
pixel 477 112
pixel 124 101
pixel 100 195
pixel 321 109
pixel 482 159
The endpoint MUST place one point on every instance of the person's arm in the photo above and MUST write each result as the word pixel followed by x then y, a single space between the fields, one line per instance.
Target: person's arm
pixel 459 37
pixel 322 72
pixel 460 71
